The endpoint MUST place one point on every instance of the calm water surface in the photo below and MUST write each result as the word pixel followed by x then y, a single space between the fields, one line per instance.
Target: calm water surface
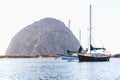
pixel 57 69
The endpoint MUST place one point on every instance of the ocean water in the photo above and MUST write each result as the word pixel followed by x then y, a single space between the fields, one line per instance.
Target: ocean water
pixel 57 69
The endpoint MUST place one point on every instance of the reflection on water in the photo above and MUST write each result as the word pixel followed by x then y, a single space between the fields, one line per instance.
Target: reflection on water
pixel 51 69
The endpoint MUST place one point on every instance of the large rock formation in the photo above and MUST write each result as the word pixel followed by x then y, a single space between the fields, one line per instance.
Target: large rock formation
pixel 47 36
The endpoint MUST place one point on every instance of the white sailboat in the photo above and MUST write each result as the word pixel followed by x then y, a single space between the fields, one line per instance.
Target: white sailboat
pixel 71 55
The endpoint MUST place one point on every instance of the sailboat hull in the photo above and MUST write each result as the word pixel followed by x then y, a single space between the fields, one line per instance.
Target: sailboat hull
pixel 84 58
pixel 63 57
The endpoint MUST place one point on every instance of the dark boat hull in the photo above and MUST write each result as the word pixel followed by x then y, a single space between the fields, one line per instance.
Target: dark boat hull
pixel 84 58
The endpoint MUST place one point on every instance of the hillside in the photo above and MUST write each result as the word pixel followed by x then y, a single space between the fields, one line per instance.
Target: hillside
pixel 46 36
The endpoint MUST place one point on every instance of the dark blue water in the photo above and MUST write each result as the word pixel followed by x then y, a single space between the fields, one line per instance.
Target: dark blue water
pixel 57 69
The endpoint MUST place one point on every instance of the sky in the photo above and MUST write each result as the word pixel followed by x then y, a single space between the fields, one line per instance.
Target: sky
pixel 17 14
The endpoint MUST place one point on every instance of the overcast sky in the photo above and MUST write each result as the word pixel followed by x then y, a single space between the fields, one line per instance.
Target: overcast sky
pixel 17 14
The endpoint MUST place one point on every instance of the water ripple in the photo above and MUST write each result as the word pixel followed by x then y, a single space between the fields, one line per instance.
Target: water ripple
pixel 51 69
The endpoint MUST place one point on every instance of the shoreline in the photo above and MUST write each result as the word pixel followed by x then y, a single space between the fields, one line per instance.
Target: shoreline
pixel 43 56
pixel 29 56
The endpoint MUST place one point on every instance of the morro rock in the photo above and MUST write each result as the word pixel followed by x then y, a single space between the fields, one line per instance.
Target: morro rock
pixel 47 36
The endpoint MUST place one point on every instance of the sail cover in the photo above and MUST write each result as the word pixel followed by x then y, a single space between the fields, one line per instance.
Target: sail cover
pixel 95 48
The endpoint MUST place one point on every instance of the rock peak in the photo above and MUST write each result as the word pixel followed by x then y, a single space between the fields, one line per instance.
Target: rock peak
pixel 46 36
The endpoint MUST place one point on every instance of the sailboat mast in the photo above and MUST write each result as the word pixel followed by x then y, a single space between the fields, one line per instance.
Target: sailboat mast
pixel 90 29
pixel 80 36
pixel 69 24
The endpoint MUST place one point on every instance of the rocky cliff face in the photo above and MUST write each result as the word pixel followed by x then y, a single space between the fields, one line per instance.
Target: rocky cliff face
pixel 47 36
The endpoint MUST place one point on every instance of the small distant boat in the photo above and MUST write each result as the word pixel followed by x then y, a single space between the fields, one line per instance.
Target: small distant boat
pixel 92 57
pixel 69 57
